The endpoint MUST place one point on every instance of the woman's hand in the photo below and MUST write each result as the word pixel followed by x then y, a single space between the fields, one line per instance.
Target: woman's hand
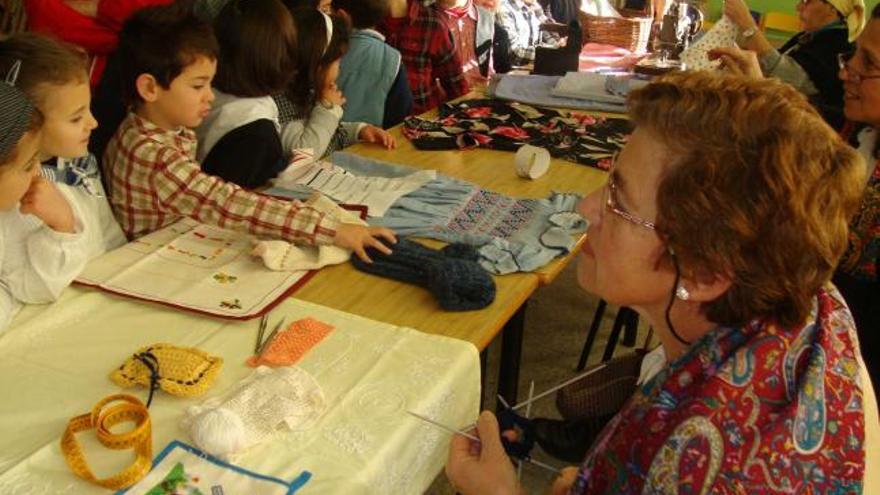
pixel 738 61
pixel 358 238
pixel 376 135
pixel 482 467
pixel 738 12
pixel 563 482
pixel 44 201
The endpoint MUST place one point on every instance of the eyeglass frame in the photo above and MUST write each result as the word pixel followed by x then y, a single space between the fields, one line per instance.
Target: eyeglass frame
pixel 843 60
pixel 612 204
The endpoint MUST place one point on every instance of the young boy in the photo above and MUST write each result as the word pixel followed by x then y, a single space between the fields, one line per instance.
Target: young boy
pixel 41 239
pixel 371 75
pixel 472 26
pixel 55 80
pixel 169 58
pixel 433 66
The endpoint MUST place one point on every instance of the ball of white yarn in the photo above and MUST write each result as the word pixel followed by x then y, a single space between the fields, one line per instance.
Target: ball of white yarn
pixel 219 432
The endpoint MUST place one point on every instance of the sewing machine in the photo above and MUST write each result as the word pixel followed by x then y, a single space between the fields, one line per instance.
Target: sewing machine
pixel 680 24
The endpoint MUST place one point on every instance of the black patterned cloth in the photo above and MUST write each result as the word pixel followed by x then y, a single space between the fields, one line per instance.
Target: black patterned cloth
pixel 502 125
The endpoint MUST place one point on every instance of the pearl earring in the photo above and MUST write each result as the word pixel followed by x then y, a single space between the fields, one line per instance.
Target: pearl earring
pixel 682 293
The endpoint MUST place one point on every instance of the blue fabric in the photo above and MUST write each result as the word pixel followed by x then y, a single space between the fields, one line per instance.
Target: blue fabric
pixel 513 234
pixel 535 90
pixel 81 172
pixel 366 74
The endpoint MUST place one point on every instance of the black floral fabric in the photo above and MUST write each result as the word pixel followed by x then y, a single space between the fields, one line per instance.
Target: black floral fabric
pixel 502 125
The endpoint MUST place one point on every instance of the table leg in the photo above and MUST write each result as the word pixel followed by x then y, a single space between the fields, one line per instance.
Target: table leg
pixel 511 355
pixel 484 362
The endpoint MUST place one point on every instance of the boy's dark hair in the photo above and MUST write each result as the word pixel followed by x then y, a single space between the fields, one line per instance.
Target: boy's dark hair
pixel 364 14
pixel 314 55
pixel 161 41
pixel 258 48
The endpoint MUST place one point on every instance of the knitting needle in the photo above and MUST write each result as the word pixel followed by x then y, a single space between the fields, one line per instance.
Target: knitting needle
pixel 546 392
pixel 271 335
pixel 503 402
pixel 528 412
pixel 561 385
pixel 474 438
pixel 263 321
pixel 444 427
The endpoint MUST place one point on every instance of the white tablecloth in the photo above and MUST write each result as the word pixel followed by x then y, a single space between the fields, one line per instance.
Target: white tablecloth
pixel 55 362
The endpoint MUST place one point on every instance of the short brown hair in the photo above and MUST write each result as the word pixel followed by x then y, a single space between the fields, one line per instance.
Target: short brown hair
pixel 364 14
pixel 759 189
pixel 44 60
pixel 258 48
pixel 162 41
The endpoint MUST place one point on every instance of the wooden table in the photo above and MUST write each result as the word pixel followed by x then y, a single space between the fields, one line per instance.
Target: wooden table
pixel 343 287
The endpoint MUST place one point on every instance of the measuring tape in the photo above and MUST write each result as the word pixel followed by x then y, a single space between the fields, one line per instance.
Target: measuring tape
pixel 102 418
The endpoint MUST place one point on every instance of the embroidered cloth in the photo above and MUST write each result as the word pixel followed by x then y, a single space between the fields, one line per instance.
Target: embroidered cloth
pixel 501 125
pixel 513 234
pixel 757 409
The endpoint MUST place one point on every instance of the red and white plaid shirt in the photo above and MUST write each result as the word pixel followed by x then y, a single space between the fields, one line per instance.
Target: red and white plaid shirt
pixel 433 67
pixel 154 180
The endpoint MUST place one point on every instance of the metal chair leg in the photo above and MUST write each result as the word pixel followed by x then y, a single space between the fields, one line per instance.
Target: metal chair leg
pixel 591 335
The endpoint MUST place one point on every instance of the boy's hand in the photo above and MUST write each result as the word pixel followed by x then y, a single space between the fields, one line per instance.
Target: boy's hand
pixel 376 135
pixel 331 94
pixel 44 201
pixel 358 237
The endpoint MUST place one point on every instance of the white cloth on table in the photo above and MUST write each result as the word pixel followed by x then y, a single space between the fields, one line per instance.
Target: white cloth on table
pixel 55 364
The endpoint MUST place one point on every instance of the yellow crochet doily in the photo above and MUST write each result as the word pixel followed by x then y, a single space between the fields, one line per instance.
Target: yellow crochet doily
pixel 182 371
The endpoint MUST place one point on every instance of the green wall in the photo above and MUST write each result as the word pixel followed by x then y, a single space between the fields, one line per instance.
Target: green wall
pixel 771 6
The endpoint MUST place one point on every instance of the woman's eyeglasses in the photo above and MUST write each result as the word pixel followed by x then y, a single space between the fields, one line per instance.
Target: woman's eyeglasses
pixel 612 203
pixel 844 62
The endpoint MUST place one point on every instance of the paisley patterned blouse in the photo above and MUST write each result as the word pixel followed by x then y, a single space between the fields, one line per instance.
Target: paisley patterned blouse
pixel 757 409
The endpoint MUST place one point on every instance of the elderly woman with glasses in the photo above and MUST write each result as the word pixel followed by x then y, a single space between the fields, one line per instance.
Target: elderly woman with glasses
pixel 808 60
pixel 722 228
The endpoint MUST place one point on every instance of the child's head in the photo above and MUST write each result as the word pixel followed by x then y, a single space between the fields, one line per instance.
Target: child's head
pixel 54 77
pixel 364 14
pixel 19 144
pixel 168 57
pixel 323 40
pixel 258 48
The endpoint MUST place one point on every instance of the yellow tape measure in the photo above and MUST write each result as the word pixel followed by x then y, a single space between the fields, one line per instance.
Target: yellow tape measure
pixel 110 411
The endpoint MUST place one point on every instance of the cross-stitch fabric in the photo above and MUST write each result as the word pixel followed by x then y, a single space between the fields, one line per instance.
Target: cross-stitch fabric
pixel 755 409
pixel 722 35
pixel 513 234
pixel 501 125
pixel 183 469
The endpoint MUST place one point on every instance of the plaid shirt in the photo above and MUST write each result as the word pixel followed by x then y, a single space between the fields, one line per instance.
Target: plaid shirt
pixel 522 22
pixel 154 179
pixel 429 55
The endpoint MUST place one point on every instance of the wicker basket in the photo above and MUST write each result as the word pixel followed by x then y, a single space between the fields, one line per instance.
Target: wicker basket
pixel 601 394
pixel 631 31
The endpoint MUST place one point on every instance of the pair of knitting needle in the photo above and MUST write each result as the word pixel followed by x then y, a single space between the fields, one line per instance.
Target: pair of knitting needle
pixel 476 439
pixel 261 344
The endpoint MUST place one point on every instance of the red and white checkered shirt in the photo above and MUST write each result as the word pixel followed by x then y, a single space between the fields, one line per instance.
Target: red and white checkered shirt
pixel 154 180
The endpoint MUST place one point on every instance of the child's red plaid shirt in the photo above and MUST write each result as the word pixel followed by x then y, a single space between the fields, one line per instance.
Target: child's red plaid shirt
pixel 429 55
pixel 153 180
